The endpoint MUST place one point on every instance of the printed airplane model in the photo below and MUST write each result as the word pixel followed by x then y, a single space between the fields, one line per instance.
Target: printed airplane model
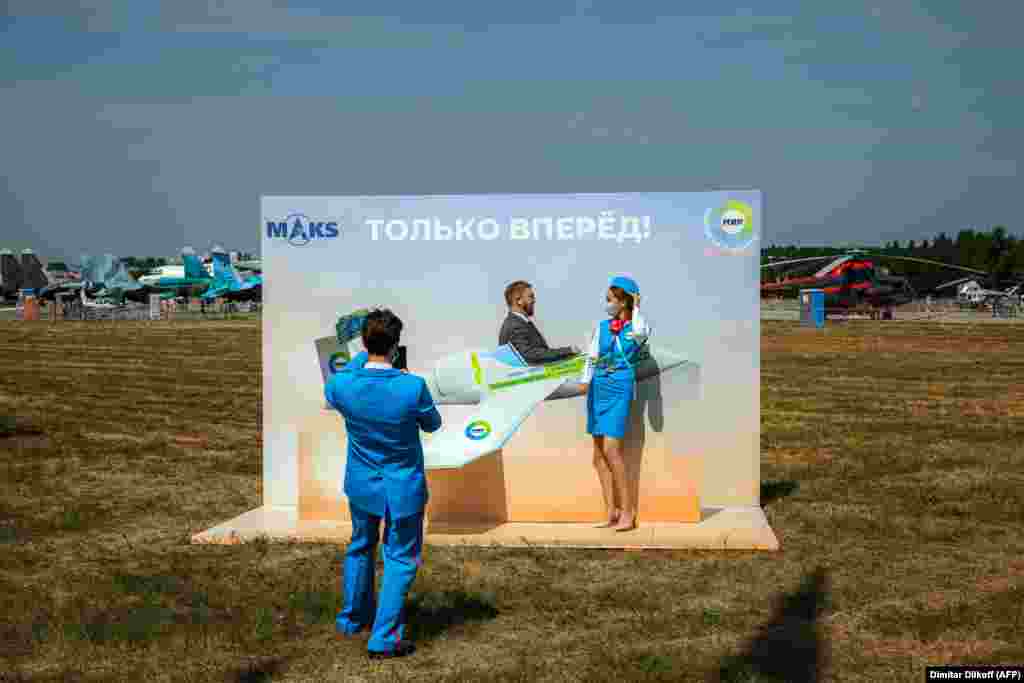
pixel 503 386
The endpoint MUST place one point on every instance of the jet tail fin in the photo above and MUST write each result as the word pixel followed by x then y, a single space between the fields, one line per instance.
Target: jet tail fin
pixel 224 271
pixel 120 278
pixel 193 266
pixel 32 273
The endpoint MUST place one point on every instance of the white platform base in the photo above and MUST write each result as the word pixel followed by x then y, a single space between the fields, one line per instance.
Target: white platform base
pixel 743 528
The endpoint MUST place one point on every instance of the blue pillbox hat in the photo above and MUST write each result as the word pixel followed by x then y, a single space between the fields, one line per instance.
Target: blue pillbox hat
pixel 627 284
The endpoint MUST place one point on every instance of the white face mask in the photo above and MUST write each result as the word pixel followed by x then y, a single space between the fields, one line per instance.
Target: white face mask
pixel 612 308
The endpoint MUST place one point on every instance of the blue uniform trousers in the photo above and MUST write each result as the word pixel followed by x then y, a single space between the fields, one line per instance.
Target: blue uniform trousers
pixel 403 547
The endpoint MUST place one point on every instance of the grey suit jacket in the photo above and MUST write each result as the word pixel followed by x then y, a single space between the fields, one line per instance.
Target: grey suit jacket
pixel 529 342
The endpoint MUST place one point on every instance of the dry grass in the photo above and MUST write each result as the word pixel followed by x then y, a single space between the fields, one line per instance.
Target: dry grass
pixel 892 460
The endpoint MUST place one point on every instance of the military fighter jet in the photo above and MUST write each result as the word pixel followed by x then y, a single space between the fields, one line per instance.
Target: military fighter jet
pixel 228 284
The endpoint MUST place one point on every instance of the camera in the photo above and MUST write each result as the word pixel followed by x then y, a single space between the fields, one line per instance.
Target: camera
pixel 398 359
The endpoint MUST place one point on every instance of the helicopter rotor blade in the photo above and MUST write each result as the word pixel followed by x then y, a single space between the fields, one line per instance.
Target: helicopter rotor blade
pixel 930 261
pixel 865 254
pixel 953 283
pixel 799 260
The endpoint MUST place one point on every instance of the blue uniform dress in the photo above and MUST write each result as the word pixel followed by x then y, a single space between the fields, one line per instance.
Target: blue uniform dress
pixel 610 371
pixel 384 409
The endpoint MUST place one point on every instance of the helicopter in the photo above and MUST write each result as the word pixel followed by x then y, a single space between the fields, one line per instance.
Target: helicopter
pixel 971 294
pixel 853 281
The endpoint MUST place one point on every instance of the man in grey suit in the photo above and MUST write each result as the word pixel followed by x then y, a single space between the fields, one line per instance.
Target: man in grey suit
pixel 519 331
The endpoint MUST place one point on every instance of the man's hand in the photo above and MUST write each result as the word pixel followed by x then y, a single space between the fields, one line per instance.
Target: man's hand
pixel 585 386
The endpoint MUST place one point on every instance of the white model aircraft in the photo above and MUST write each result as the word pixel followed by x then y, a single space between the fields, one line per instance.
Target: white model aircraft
pixel 499 381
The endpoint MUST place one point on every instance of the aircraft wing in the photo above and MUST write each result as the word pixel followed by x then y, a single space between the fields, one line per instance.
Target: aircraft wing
pixel 493 422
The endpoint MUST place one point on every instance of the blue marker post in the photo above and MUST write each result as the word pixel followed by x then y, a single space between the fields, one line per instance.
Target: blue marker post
pixel 812 307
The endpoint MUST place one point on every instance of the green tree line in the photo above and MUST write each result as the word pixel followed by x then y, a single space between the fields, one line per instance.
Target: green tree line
pixel 995 251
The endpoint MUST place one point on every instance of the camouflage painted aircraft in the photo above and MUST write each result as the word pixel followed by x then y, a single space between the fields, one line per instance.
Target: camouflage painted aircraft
pixel 228 284
pixel 195 279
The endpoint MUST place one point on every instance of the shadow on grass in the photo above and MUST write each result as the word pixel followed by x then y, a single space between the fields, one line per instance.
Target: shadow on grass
pixel 791 646
pixel 260 671
pixel 773 490
pixel 431 614
pixel 12 426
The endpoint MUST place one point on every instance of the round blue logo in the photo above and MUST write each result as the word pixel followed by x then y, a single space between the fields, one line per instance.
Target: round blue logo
pixel 337 361
pixel 478 429
pixel 730 226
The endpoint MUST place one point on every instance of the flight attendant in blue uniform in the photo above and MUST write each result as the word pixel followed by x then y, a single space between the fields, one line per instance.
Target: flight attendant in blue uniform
pixel 384 409
pixel 611 387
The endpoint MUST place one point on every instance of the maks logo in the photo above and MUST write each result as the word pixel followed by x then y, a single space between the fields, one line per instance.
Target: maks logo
pixel 731 226
pixel 478 429
pixel 299 230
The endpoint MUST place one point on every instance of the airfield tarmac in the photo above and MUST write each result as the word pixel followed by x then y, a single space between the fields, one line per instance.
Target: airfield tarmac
pixel 913 312
pixel 891 471
pixel 9 314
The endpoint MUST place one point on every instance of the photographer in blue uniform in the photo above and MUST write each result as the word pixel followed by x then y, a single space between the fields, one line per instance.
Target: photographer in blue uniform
pixel 384 409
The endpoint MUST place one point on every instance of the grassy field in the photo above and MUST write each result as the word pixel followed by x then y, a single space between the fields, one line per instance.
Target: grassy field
pixel 892 468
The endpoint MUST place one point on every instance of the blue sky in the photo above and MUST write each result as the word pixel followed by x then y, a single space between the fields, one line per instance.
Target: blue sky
pixel 138 127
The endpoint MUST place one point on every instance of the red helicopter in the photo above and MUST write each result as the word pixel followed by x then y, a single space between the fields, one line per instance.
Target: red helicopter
pixel 851 281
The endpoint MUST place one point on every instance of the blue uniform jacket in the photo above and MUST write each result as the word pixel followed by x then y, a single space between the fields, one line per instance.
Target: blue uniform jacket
pixel 384 409
pixel 608 356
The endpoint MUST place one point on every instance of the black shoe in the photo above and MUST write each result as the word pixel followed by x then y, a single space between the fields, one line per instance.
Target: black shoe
pixel 404 647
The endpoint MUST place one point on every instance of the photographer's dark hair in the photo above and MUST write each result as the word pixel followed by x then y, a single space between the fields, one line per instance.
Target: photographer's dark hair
pixel 381 332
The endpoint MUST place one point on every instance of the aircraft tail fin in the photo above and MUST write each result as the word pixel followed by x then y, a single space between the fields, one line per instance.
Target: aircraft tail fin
pixel 87 268
pixel 223 271
pixel 10 272
pixel 32 273
pixel 193 266
pixel 97 270
pixel 120 278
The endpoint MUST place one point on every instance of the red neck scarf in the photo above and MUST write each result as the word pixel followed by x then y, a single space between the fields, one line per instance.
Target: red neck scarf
pixel 617 324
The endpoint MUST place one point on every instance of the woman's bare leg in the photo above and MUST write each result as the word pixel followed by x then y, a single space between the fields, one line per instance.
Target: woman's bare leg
pixel 613 454
pixel 604 475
